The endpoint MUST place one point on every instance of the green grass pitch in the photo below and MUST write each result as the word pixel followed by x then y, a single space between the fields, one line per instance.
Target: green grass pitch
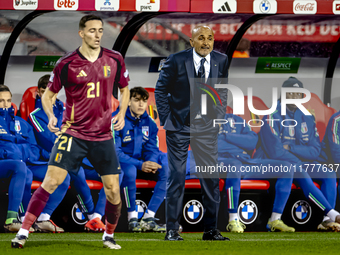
pixel 152 243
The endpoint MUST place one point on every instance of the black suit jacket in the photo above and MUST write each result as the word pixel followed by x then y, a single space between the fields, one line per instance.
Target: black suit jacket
pixel 176 85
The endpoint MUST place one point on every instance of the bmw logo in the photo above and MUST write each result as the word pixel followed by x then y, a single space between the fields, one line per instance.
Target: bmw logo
pixel 265 6
pixel 77 216
pixel 193 211
pixel 247 212
pixel 301 212
pixel 140 208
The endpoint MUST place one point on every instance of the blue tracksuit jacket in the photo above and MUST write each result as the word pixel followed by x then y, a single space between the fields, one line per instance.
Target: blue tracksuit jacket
pixel 39 121
pixel 137 141
pixel 331 142
pixel 17 139
pixel 303 139
pixel 235 139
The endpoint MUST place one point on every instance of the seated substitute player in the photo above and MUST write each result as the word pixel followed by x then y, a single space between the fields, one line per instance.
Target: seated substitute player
pixel 11 165
pixel 88 75
pixel 235 139
pixel 298 143
pixel 42 84
pixel 330 151
pixel 33 157
pixel 139 157
pixel 45 139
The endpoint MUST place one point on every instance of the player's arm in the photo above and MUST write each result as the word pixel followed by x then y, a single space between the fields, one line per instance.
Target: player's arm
pixel 47 104
pixel 310 150
pixel 151 151
pixel 271 142
pixel 44 137
pixel 123 157
pixel 119 120
pixel 333 137
pixel 246 139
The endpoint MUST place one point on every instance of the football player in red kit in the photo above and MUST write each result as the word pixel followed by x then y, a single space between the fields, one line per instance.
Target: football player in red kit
pixel 88 76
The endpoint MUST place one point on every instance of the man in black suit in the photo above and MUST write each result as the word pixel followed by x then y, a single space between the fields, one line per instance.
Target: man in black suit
pixel 185 78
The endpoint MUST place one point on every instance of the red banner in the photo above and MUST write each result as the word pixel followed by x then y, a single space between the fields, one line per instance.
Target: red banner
pixel 328 31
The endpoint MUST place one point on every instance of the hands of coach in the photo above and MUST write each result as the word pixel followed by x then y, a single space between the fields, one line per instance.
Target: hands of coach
pixel 150 167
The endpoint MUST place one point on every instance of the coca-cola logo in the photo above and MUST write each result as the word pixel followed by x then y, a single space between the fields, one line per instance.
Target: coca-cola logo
pixel 65 3
pixel 305 7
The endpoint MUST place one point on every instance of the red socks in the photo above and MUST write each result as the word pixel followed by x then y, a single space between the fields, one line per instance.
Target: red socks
pixel 112 214
pixel 35 207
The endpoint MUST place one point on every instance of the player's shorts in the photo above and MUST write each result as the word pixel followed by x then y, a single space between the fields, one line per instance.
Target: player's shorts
pixel 68 153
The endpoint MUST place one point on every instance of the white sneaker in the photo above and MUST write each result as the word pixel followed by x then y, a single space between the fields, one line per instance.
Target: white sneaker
pixel 329 225
pixel 110 243
pixel 19 241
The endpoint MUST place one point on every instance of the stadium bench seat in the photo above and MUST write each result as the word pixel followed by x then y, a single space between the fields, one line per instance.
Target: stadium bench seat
pixel 28 102
pixel 115 103
pixel 295 187
pixel 321 112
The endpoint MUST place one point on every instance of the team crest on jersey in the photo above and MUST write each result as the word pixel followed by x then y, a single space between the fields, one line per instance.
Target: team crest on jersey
pixel 107 71
pixel 291 131
pixel 247 212
pixel 58 157
pixel 145 131
pixel 17 126
pixel 304 128
pixel 193 211
pixel 301 212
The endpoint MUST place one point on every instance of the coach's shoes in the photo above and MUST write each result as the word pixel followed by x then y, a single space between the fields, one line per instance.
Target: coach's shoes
pixel 172 235
pixel 214 235
pixel 95 225
pixel 329 225
pixel 134 225
pixel 18 241
pixel 278 225
pixel 47 226
pixel 110 243
pixel 235 226
pixel 149 224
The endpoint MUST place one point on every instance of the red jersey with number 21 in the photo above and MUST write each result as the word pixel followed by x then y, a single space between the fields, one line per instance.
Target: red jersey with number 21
pixel 88 87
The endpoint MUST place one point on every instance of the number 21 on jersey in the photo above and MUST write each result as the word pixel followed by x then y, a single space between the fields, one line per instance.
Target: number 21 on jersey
pixel 65 140
pixel 93 90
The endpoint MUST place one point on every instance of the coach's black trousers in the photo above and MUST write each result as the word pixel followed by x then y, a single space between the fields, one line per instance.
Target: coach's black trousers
pixel 203 140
